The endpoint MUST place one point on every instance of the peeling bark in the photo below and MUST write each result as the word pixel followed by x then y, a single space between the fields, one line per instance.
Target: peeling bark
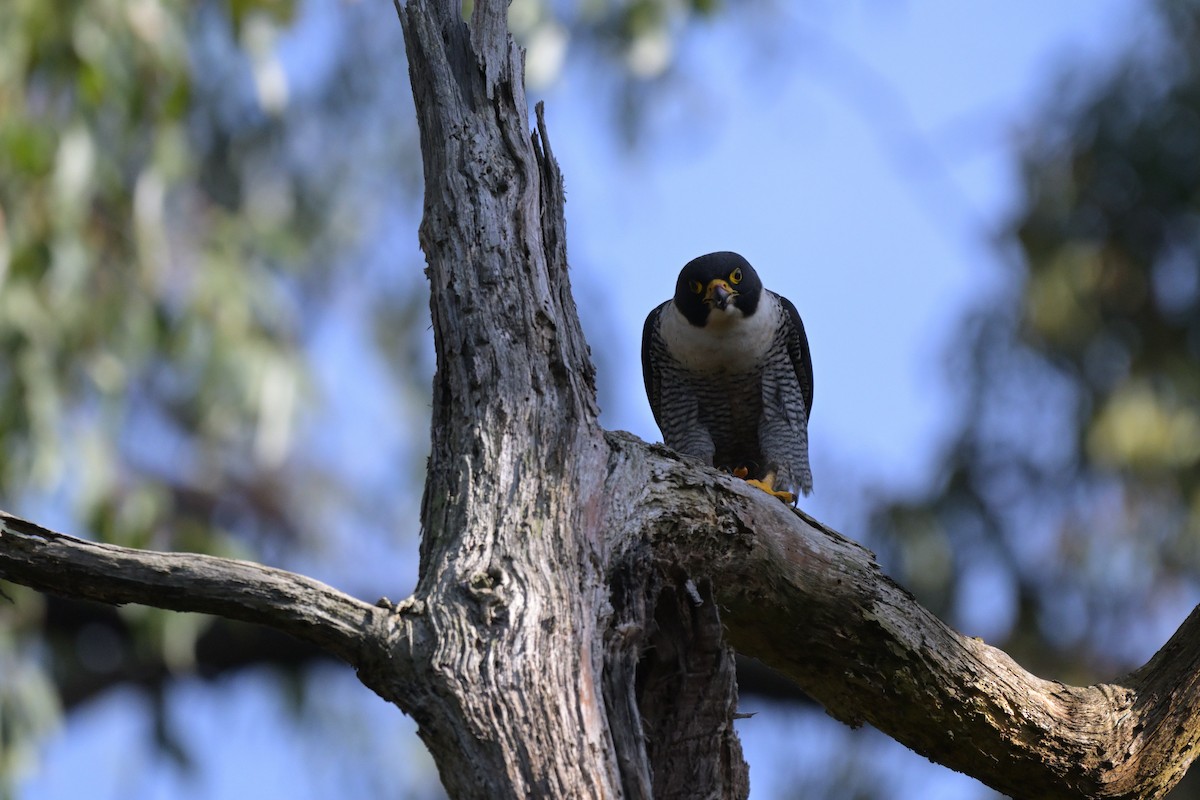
pixel 791 592
pixel 580 591
pixel 816 607
pixel 305 608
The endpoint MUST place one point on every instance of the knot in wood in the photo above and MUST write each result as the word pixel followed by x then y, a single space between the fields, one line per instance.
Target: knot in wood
pixel 486 587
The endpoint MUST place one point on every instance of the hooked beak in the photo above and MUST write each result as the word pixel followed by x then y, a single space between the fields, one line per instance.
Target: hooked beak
pixel 719 294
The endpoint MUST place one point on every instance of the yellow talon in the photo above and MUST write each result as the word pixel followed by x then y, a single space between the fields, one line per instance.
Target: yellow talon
pixel 767 484
pixel 786 497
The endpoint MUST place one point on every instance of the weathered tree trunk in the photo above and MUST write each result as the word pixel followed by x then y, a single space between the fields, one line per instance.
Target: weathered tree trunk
pixel 567 637
pixel 517 552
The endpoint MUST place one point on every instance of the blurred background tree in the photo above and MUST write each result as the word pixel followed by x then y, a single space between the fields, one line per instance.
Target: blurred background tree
pixel 1072 481
pixel 176 221
pixel 1070 493
pixel 213 329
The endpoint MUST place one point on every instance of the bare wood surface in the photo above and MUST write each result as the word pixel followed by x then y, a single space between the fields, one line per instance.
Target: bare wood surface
pixel 303 607
pixel 815 606
pixel 792 593
pixel 568 574
pixel 511 703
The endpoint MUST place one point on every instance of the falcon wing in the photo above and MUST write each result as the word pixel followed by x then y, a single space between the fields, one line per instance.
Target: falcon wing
pixel 652 345
pixel 797 344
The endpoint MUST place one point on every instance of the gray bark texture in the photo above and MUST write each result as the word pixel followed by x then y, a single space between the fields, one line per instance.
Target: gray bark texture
pixel 580 591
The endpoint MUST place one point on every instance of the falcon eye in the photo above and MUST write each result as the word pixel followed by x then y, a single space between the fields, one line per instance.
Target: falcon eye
pixel 696 286
pixel 736 276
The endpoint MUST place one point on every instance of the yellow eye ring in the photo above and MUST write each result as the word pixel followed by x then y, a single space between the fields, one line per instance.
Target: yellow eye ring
pixel 735 277
pixel 696 286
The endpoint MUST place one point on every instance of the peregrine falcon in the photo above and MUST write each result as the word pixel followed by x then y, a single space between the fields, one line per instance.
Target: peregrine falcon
pixel 729 375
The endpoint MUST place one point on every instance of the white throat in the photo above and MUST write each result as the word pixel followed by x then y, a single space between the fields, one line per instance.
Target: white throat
pixel 729 342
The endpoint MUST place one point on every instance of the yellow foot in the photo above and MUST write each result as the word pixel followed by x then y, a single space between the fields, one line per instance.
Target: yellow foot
pixel 786 497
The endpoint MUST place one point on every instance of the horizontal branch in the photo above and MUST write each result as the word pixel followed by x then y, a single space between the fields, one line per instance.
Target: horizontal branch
pixel 815 606
pixel 305 608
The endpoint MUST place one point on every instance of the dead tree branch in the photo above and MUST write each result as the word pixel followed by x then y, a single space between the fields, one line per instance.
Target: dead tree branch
pixel 305 608
pixel 565 638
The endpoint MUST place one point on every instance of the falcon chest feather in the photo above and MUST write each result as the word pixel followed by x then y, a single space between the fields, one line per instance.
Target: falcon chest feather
pixel 729 376
pixel 728 343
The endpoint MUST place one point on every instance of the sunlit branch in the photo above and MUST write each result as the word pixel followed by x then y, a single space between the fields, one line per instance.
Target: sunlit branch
pixel 305 608
pixel 815 606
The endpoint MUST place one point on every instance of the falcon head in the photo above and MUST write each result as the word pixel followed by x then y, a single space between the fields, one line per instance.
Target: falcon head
pixel 718 286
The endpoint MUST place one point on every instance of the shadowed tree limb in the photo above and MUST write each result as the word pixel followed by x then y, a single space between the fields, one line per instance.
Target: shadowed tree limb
pixel 815 607
pixel 568 575
pixel 94 648
pixel 792 593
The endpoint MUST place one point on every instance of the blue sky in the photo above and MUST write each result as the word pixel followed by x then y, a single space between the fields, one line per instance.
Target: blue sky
pixel 861 156
pixel 863 176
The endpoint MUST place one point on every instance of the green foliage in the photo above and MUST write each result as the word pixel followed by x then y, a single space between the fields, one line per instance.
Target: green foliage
pixel 635 46
pixel 127 289
pixel 29 707
pixel 148 349
pixel 178 213
pixel 1112 235
pixel 1075 474
pixel 641 34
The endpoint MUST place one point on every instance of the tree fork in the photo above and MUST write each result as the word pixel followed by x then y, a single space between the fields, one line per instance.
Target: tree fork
pixel 514 562
pixel 566 571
